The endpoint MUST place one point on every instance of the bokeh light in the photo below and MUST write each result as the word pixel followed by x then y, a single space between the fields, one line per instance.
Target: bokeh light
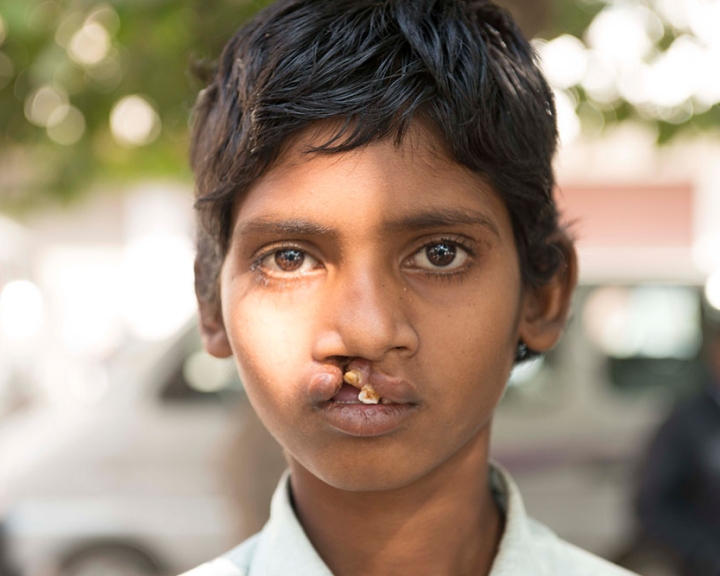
pixel 21 310
pixel 567 119
pixel 675 12
pixel 89 45
pixel 647 321
pixel 66 125
pixel 704 19
pixel 712 290
pixel 134 121
pixel 564 60
pixel 706 252
pixel 83 285
pixel 44 103
pixel 205 373
pixel 673 76
pixel 67 28
pixel 105 15
pixel 654 57
pixel 3 30
pixel 158 294
pixel 624 33
pixel 600 81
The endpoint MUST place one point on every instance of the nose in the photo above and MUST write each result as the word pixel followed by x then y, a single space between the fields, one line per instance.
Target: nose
pixel 365 315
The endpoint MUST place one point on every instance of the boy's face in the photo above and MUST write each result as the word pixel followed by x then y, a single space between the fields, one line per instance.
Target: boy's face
pixel 397 256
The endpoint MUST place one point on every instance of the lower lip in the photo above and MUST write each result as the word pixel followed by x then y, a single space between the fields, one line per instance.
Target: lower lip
pixel 366 420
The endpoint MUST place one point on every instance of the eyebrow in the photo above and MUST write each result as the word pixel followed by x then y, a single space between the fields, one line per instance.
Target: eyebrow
pixel 441 218
pixel 436 218
pixel 297 227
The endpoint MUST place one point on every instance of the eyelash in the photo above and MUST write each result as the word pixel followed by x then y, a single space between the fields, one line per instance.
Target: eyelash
pixel 257 259
pixel 454 240
pixel 458 241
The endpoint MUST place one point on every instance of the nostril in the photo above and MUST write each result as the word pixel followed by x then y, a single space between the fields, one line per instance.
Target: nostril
pixel 341 362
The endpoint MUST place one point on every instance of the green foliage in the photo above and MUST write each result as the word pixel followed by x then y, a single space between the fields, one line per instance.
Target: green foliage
pixel 154 44
pixel 571 17
pixel 670 29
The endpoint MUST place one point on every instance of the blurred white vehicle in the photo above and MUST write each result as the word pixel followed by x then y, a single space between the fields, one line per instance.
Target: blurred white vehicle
pixel 127 484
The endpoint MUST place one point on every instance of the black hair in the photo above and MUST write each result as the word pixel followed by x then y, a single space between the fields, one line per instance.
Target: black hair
pixel 460 67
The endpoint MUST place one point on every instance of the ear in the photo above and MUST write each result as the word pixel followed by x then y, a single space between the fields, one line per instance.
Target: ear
pixel 546 308
pixel 212 328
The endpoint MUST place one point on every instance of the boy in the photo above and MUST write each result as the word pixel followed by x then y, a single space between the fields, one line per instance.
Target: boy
pixel 375 211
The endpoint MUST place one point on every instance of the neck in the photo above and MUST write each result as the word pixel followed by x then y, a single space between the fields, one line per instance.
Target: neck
pixel 444 523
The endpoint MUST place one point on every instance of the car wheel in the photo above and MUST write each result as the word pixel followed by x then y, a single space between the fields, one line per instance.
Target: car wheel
pixel 109 561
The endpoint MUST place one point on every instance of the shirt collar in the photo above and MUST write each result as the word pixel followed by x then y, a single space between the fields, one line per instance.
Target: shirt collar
pixel 284 548
pixel 516 554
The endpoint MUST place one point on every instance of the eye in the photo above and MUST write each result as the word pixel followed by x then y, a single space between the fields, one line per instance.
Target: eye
pixel 288 261
pixel 441 256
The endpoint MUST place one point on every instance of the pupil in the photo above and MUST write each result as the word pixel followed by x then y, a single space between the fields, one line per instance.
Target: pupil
pixel 441 254
pixel 289 260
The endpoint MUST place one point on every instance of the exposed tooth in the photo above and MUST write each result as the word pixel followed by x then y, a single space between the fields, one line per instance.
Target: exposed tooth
pixel 368 395
pixel 353 377
pixel 385 401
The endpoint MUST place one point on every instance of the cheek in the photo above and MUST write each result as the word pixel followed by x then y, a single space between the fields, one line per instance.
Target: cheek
pixel 270 339
pixel 471 343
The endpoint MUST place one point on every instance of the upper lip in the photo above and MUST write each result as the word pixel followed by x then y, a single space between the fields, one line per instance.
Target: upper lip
pixel 394 389
pixel 391 388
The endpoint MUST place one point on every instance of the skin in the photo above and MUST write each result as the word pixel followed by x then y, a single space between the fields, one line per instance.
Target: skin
pixel 415 500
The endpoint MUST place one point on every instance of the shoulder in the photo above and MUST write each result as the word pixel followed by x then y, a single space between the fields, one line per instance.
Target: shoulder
pixel 560 557
pixel 529 547
pixel 234 563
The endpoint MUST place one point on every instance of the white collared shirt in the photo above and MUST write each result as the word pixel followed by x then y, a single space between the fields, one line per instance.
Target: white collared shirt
pixel 527 548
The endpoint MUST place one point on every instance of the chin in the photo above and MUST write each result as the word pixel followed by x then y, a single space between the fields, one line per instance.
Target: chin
pixel 367 472
pixel 367 480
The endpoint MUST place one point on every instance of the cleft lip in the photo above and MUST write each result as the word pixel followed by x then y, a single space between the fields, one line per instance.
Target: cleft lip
pixel 391 389
pixel 325 385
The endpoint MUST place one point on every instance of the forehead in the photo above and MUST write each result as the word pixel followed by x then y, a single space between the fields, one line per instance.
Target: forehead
pixel 370 185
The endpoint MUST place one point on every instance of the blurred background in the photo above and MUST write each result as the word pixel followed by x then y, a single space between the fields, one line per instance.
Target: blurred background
pixel 125 450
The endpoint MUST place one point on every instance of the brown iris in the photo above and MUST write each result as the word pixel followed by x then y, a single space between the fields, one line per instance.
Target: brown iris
pixel 289 260
pixel 441 254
